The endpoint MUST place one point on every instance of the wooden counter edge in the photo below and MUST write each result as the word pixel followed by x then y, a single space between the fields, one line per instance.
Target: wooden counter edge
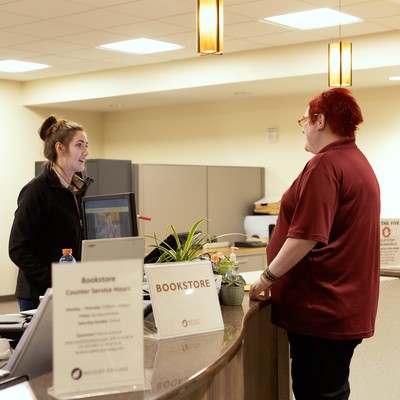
pixel 209 372
pixel 391 272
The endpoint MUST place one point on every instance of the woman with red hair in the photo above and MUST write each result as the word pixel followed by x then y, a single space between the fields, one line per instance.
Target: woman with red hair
pixel 323 256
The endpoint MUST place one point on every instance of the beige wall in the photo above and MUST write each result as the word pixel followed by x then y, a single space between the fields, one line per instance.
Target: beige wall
pixel 232 133
pixel 235 134
pixel 375 367
pixel 20 148
pixel 223 133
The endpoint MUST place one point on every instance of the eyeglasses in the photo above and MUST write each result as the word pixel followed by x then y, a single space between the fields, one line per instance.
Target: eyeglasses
pixel 303 120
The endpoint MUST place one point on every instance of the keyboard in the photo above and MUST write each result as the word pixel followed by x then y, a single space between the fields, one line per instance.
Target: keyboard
pixel 251 244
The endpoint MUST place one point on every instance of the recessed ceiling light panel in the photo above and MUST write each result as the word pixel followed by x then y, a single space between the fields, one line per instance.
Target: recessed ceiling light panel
pixel 313 19
pixel 20 66
pixel 141 46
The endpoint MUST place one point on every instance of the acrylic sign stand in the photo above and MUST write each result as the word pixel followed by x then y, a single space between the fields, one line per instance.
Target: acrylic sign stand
pixel 98 328
pixel 184 298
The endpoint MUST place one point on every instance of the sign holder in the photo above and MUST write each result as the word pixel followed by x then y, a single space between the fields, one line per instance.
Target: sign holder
pixel 184 298
pixel 98 344
pixel 201 349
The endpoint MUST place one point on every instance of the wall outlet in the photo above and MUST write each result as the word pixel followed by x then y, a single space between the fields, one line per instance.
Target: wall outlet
pixel 272 135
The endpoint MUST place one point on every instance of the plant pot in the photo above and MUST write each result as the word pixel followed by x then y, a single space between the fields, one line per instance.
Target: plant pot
pixel 218 282
pixel 231 295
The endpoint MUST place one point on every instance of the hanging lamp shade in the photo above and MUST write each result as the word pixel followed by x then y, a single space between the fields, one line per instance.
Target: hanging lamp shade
pixel 339 64
pixel 210 26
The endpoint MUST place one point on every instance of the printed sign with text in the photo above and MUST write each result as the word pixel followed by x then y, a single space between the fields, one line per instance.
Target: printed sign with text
pixel 184 298
pixel 98 344
pixel 390 242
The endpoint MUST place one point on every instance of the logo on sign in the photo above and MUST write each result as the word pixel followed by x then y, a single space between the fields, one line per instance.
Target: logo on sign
pixel 191 322
pixel 76 373
pixel 386 232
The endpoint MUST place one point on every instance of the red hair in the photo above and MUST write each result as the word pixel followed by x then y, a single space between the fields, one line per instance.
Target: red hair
pixel 341 111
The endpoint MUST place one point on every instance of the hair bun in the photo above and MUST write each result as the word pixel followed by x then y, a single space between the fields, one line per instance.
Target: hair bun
pixel 44 130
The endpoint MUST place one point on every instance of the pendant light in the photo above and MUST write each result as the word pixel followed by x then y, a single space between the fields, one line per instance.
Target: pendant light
pixel 210 27
pixel 340 61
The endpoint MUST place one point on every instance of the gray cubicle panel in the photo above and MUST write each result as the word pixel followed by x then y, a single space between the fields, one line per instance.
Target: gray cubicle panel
pixel 170 194
pixel 231 194
pixel 183 194
pixel 110 176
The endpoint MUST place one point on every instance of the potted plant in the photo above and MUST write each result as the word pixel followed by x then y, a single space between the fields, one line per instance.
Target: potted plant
pixel 191 249
pixel 232 289
pixel 188 250
pixel 221 266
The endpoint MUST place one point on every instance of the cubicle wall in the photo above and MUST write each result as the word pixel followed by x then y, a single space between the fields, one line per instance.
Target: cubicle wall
pixel 181 194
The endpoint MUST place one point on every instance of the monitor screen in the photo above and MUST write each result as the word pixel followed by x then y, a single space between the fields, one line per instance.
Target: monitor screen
pixel 109 216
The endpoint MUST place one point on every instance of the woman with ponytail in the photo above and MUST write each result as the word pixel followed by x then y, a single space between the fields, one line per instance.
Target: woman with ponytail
pixel 48 216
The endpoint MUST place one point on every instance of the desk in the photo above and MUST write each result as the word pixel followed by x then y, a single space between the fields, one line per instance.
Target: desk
pixel 390 271
pixel 249 258
pixel 12 326
pixel 239 363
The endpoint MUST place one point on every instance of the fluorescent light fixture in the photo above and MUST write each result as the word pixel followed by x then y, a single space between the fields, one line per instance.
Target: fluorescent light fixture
pixel 313 19
pixel 20 66
pixel 141 46
pixel 394 78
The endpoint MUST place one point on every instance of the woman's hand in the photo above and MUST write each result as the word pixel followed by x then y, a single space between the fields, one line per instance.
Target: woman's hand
pixel 259 290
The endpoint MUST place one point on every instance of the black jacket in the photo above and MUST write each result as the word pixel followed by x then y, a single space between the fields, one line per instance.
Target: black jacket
pixel 46 221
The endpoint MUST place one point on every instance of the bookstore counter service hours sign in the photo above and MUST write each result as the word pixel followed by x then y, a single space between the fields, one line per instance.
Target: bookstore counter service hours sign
pixel 97 328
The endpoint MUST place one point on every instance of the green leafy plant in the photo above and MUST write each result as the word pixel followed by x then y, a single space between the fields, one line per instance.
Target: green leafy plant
pixel 221 264
pixel 233 280
pixel 187 251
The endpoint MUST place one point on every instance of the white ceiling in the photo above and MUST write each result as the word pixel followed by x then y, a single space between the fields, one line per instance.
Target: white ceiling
pixel 65 33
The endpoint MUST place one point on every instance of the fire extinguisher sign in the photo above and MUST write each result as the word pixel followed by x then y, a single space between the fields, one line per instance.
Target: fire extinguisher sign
pixel 390 242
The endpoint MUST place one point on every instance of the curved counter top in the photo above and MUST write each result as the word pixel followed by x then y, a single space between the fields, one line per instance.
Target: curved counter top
pixel 237 363
pixel 390 271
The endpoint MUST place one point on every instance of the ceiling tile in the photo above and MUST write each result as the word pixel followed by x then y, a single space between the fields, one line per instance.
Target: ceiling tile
pixel 65 33
pixel 98 19
pixel 43 9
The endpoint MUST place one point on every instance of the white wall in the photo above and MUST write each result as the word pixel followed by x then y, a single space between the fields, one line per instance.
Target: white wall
pixel 375 367
pixel 235 134
pixel 223 133
pixel 232 133
pixel 380 140
pixel 15 149
pixel 20 147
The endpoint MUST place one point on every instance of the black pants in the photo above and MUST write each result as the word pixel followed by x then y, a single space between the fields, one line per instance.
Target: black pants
pixel 320 367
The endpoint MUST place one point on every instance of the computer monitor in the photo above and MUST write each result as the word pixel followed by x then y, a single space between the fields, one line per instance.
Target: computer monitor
pixel 109 216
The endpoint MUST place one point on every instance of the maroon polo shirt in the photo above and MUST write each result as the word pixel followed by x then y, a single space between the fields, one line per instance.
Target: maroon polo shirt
pixel 333 291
